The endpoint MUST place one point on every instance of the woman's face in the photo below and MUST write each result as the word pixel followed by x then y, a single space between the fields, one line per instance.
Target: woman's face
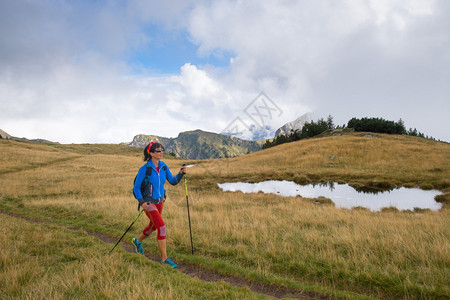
pixel 158 154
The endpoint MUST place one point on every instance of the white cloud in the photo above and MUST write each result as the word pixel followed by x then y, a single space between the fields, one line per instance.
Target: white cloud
pixel 358 58
pixel 196 82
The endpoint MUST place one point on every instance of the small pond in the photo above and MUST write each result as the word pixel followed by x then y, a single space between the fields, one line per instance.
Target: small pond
pixel 343 195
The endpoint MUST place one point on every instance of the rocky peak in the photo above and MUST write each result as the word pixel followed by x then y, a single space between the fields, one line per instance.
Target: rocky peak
pixel 4 135
pixel 296 124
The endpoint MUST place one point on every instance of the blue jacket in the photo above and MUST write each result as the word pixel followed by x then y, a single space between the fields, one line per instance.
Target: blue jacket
pixel 157 180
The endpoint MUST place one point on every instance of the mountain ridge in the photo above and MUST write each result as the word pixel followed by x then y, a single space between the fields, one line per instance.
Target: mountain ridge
pixel 199 144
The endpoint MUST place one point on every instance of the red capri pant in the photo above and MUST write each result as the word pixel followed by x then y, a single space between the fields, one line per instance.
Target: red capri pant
pixel 153 212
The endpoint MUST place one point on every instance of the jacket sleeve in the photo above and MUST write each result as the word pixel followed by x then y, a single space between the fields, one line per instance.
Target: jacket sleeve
pixel 137 184
pixel 173 179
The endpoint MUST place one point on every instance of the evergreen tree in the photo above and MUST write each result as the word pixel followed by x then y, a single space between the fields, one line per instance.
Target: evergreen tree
pixel 330 123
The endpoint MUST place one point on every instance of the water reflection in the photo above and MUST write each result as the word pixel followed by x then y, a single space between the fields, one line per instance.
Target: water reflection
pixel 361 189
pixel 343 195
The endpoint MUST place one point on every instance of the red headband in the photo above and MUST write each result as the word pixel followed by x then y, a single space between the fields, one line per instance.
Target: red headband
pixel 149 146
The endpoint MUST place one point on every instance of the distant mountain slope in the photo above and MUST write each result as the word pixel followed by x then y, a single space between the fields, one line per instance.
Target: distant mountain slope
pixel 200 144
pixel 4 135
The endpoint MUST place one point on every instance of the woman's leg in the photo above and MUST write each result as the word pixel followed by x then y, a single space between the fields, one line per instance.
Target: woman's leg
pixel 141 237
pixel 137 242
pixel 163 249
pixel 162 244
pixel 150 228
pixel 156 223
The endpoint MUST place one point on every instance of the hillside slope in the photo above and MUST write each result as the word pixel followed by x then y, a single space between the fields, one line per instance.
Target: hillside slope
pixel 363 159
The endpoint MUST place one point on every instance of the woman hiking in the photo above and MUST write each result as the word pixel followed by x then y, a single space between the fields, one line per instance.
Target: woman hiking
pixel 157 172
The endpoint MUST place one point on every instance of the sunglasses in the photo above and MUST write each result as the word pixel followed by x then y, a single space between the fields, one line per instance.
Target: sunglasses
pixel 159 150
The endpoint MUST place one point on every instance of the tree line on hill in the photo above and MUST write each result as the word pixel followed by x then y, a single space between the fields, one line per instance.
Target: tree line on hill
pixel 377 125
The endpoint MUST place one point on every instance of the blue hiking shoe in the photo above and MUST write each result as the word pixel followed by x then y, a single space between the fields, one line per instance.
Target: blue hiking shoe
pixel 170 263
pixel 138 246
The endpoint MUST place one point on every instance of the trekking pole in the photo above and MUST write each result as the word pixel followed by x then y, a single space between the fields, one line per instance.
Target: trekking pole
pixel 189 215
pixel 126 231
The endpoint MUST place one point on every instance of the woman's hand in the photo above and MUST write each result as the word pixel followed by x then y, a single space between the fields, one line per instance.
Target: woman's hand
pixel 145 205
pixel 183 170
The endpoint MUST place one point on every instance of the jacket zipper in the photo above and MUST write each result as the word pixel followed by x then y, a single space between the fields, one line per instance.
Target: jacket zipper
pixel 159 183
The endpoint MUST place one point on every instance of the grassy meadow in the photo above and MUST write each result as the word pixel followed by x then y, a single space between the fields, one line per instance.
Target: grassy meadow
pixel 279 241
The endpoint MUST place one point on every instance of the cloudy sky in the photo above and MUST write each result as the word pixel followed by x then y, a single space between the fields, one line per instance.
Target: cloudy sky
pixel 104 71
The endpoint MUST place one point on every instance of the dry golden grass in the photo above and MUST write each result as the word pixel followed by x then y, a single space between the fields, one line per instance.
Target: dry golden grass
pixel 38 261
pixel 295 238
pixel 16 156
pixel 387 254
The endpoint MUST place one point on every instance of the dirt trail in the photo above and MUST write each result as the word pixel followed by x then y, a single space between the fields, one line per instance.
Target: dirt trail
pixel 196 270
